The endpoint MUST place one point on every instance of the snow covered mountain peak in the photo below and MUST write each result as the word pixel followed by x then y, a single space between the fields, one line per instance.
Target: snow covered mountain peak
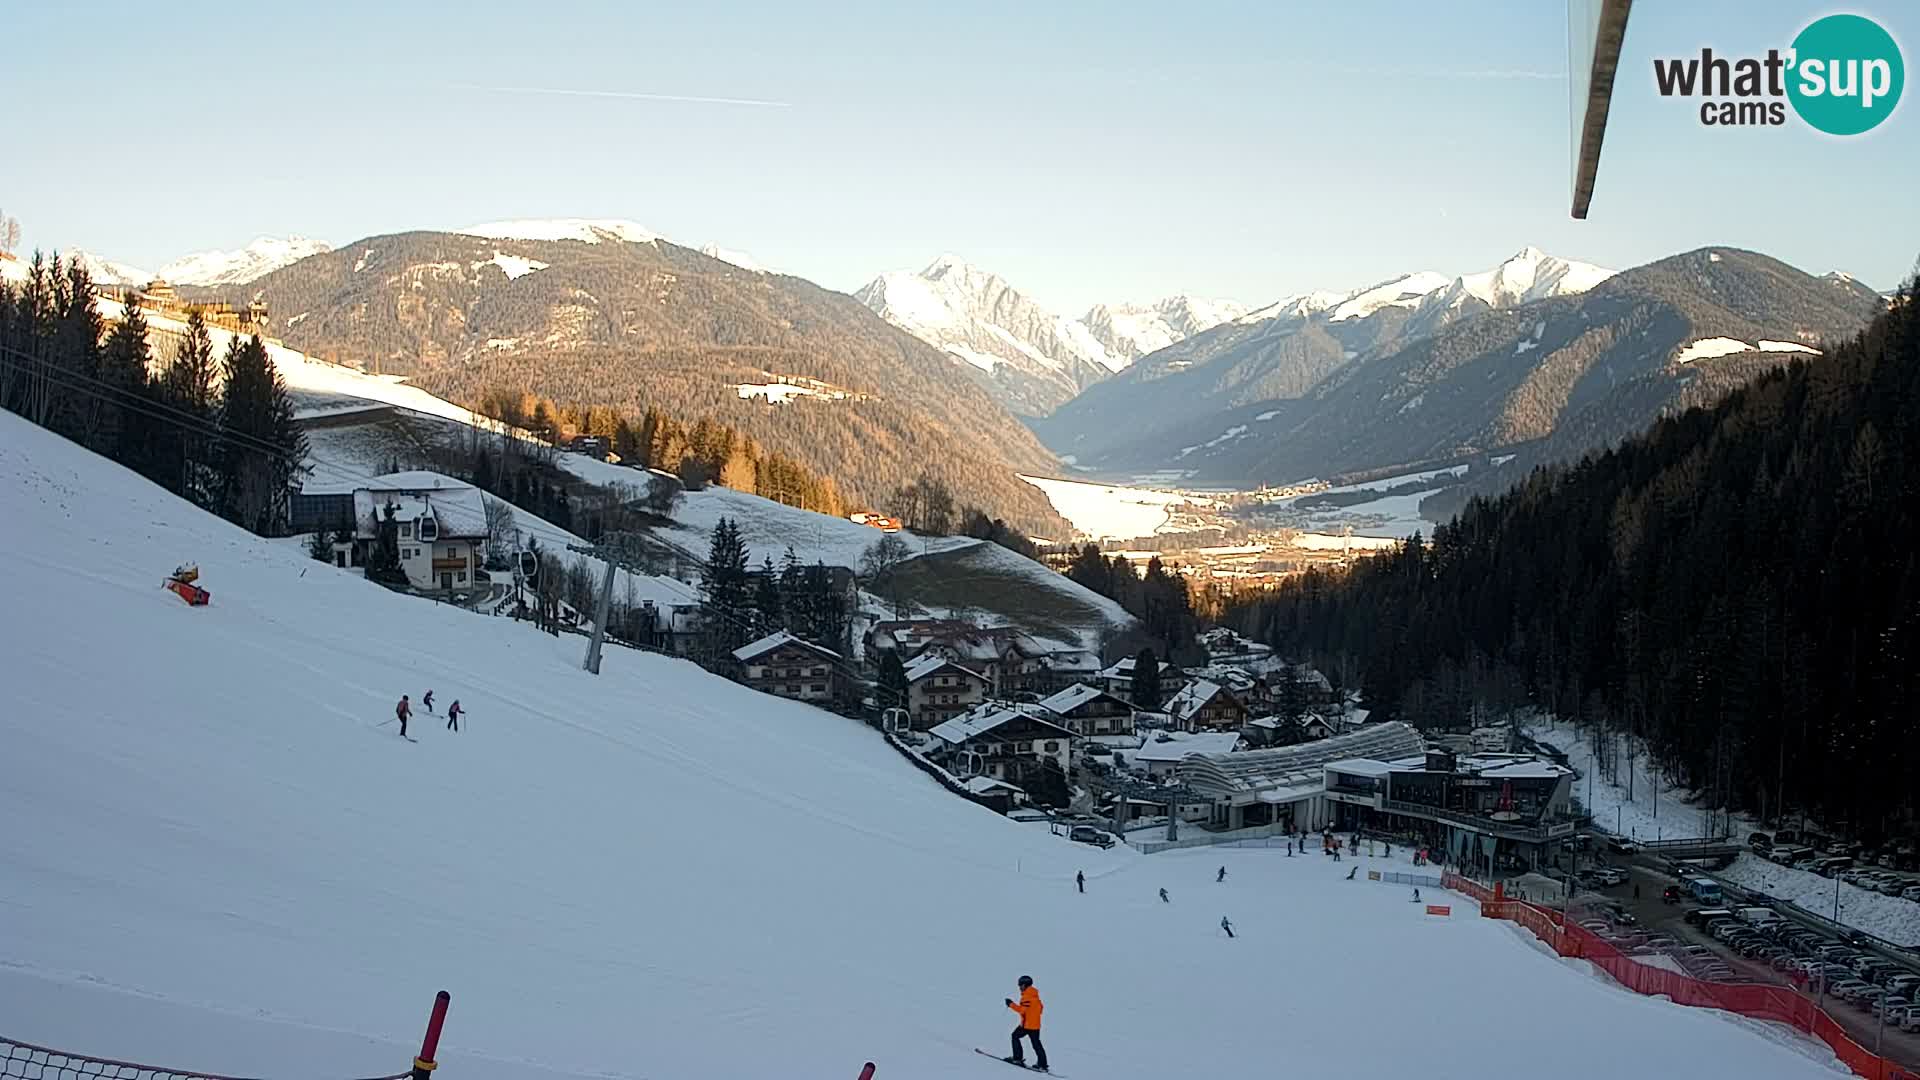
pixel 1031 358
pixel 105 271
pixel 1130 331
pixel 258 259
pixel 1531 274
pixel 585 230
pixel 1405 291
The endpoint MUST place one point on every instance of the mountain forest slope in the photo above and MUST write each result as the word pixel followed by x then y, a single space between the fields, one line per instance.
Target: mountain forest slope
pixel 1603 362
pixel 1738 585
pixel 1283 350
pixel 636 324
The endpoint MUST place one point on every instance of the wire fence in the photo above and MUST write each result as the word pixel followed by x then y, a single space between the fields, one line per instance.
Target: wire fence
pixel 25 1061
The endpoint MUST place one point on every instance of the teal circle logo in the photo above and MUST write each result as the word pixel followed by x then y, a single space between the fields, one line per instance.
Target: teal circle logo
pixel 1847 74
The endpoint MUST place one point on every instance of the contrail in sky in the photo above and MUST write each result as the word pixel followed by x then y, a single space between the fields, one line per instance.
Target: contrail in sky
pixel 630 95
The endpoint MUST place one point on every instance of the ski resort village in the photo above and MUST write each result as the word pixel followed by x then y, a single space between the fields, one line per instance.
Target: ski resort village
pixel 328 694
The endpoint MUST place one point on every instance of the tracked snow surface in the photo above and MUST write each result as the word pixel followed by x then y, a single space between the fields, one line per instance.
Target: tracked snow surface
pixel 215 855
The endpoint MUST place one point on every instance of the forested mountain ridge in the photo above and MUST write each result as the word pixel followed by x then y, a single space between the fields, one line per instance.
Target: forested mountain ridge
pixel 1283 350
pixel 1606 361
pixel 1739 586
pixel 635 324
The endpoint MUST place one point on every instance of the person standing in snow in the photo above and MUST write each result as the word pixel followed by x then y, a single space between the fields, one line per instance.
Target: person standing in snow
pixel 402 711
pixel 1416 896
pixel 1163 897
pixel 1352 872
pixel 453 715
pixel 1080 880
pixel 1221 876
pixel 428 702
pixel 1227 926
pixel 1028 1009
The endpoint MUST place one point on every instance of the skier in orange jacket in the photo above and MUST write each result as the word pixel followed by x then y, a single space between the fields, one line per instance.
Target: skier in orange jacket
pixel 1028 1008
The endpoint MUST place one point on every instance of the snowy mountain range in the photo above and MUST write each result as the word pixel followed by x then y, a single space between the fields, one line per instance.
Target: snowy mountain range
pixel 258 259
pixel 1526 359
pixel 1282 350
pixel 105 271
pixel 1031 359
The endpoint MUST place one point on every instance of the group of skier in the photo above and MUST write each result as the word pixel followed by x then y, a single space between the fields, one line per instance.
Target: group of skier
pixel 404 711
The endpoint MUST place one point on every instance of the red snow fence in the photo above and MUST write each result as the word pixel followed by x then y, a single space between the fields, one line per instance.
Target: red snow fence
pixel 25 1061
pixel 1762 1001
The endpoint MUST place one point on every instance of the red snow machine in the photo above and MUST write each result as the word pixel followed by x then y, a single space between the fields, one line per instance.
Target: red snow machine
pixel 181 581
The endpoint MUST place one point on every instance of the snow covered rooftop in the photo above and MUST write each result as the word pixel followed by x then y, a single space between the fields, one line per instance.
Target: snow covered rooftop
pixel 747 652
pixel 459 509
pixel 1177 746
pixel 986 785
pixel 1251 771
pixel 923 666
pixel 1065 701
pixel 1362 767
pixel 984 719
pixel 1193 697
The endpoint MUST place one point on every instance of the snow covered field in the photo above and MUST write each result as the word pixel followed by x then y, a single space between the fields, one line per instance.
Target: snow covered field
pixel 217 856
pixel 1105 511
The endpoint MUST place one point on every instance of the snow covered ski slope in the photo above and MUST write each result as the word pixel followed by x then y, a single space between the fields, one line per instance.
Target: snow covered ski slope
pixel 212 854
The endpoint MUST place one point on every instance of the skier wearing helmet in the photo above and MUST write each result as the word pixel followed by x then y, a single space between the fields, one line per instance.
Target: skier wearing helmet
pixel 1028 1008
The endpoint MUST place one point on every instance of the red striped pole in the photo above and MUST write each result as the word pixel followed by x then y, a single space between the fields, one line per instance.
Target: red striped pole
pixel 424 1064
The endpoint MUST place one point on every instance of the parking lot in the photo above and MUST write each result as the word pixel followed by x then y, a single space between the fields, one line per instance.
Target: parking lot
pixel 1648 926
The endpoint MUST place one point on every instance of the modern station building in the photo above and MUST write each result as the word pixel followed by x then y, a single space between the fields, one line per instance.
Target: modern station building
pixel 1508 810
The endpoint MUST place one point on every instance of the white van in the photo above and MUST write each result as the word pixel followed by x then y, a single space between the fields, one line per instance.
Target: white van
pixel 1757 916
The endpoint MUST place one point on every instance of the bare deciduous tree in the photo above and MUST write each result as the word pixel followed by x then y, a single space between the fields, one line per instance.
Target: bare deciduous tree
pixel 882 556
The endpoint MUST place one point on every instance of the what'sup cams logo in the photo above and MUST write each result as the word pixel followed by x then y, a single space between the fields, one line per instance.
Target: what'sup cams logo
pixel 1842 75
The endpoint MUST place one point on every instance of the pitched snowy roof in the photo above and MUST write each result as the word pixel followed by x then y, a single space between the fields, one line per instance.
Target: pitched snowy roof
pixel 459 508
pixel 986 718
pixel 1123 668
pixel 984 785
pixel 1065 701
pixel 1193 697
pixel 925 665
pixel 747 652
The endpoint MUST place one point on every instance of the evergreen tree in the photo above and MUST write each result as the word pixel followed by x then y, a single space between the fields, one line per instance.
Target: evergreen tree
pixel 82 409
pixel 123 370
pixel 1146 680
pixel 190 389
pixel 262 445
pixel 768 611
pixel 725 593
pixel 893 680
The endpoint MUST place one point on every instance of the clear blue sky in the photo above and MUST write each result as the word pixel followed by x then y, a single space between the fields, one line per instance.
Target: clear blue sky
pixel 1085 151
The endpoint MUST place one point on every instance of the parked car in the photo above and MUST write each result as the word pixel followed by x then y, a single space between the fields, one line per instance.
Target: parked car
pixel 1904 982
pixel 1845 989
pixel 1831 866
pixel 1759 841
pixel 1911 892
pixel 1670 894
pixel 1911 1022
pixel 1621 845
pixel 1869 997
pixel 1087 834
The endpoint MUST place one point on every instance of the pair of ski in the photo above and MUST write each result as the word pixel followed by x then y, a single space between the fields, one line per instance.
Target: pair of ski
pixel 1018 1065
